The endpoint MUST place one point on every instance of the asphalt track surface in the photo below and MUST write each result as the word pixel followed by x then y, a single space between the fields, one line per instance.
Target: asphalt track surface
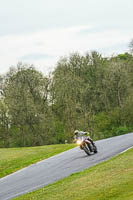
pixel 62 165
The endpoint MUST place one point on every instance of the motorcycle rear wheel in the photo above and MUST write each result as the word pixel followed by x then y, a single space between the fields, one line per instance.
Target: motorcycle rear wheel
pixel 95 150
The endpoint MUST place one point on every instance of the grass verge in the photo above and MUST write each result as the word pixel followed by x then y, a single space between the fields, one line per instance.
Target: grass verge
pixel 110 180
pixel 13 159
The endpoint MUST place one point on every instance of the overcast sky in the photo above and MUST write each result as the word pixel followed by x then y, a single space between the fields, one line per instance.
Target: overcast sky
pixel 39 32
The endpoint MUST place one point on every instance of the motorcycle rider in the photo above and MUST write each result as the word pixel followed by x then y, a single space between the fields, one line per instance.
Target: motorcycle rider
pixel 78 133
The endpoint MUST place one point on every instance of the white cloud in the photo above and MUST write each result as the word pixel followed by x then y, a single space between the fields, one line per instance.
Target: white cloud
pixel 56 43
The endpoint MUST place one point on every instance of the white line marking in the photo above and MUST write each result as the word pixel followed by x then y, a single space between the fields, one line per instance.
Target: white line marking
pixel 126 150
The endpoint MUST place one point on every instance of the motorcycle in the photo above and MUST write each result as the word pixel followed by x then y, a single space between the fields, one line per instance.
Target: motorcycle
pixel 86 145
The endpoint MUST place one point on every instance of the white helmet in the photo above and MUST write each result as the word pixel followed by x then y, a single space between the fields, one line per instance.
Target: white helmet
pixel 76 131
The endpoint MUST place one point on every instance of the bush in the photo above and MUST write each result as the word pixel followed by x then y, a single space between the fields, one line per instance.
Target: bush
pixel 120 130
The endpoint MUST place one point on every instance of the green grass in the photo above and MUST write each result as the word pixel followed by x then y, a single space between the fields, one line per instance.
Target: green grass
pixel 13 159
pixel 110 180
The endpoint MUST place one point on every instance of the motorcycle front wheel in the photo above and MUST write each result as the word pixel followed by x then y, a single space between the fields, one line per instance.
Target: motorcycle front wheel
pixel 86 150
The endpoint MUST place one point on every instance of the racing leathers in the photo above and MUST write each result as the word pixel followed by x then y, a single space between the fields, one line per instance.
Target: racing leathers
pixel 82 133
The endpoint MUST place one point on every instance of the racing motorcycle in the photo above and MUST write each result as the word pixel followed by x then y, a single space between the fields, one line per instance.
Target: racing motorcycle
pixel 86 145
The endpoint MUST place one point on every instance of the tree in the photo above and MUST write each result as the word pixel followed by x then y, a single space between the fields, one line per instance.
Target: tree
pixel 26 95
pixel 131 46
pixel 4 125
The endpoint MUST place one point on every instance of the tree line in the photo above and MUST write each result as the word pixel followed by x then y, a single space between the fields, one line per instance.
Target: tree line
pixel 85 92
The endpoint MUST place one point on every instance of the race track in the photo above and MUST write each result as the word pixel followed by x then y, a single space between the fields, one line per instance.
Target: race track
pixel 60 166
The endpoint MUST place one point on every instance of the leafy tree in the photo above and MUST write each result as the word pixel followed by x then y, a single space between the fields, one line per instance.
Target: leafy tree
pixel 26 95
pixel 131 46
